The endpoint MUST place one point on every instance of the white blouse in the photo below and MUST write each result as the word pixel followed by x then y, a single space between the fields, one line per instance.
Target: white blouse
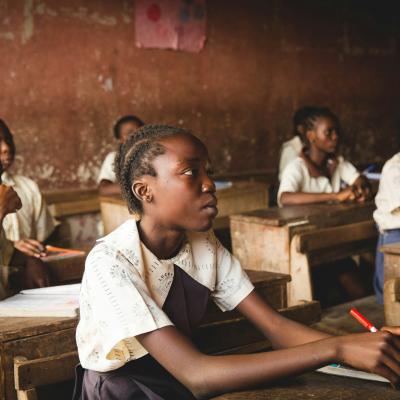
pixel 297 178
pixel 387 214
pixel 107 168
pixel 125 286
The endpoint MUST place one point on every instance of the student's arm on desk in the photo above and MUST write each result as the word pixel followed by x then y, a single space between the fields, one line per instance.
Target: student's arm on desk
pixel 291 198
pixel 107 188
pixel 206 375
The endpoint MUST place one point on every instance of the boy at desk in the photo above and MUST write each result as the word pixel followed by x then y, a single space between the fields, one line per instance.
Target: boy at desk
pixel 33 223
pixel 106 180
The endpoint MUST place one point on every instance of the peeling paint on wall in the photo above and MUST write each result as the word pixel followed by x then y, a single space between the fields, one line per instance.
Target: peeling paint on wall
pixel 28 24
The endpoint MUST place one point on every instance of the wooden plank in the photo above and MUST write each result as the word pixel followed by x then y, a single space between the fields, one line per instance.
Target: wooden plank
pixel 44 371
pixel 393 248
pixel 328 237
pixel 69 195
pixel 67 270
pixel 69 208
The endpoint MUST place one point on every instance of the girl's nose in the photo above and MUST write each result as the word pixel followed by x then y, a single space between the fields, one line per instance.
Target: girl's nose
pixel 208 185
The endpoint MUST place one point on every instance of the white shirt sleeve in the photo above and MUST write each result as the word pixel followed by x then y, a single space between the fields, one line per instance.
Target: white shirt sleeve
pixel 292 179
pixel 348 172
pixel 233 285
pixel 107 169
pixel 116 305
pixel 391 181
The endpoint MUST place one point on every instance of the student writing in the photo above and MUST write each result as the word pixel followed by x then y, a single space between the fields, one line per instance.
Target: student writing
pixel 146 286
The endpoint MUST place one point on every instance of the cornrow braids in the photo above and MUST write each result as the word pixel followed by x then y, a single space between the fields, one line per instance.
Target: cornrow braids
pixel 300 115
pixel 313 115
pixel 134 158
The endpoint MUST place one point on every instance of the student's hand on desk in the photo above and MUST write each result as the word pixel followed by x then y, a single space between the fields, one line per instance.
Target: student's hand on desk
pixel 35 274
pixel 346 194
pixel 377 352
pixel 30 247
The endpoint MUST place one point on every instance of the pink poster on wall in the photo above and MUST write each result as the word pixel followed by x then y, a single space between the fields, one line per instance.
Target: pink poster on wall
pixel 170 24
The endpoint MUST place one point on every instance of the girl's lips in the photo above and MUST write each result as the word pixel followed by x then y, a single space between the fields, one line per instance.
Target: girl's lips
pixel 211 209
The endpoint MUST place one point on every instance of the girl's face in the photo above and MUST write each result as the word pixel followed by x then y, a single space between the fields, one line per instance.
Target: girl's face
pixel 324 135
pixel 183 195
pixel 127 129
pixel 5 155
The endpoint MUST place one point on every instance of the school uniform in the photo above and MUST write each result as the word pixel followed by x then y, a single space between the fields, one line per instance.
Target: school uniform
pixel 289 151
pixel 127 291
pixel 107 168
pixel 6 251
pixel 33 220
pixel 302 176
pixel 387 216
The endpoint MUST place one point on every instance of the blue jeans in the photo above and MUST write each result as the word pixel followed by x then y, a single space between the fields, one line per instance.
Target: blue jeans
pixel 387 237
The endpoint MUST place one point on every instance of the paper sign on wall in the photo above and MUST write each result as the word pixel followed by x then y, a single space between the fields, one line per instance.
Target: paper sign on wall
pixel 170 24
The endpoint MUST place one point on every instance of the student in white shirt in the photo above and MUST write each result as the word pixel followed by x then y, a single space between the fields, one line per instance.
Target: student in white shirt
pixel 317 174
pixel 106 180
pixel 32 224
pixel 387 216
pixel 293 147
pixel 146 287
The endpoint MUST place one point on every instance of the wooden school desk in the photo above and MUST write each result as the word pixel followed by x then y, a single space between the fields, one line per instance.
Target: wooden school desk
pixel 279 239
pixel 318 386
pixel 242 196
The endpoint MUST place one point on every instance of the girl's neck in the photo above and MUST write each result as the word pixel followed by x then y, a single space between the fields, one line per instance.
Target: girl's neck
pixel 163 242
pixel 317 156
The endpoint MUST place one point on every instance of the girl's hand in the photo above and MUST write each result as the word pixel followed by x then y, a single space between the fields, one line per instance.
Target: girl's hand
pixel 30 247
pixel 373 352
pixel 346 194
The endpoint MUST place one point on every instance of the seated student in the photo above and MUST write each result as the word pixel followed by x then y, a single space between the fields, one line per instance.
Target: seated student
pixel 33 223
pixel 317 174
pixel 292 148
pixel 33 275
pixel 387 215
pixel 106 180
pixel 146 287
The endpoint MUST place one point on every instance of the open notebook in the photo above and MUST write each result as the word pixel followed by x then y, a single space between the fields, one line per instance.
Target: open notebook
pixel 53 301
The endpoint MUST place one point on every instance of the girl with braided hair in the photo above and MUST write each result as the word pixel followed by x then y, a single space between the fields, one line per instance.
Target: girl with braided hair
pixel 317 174
pixel 147 284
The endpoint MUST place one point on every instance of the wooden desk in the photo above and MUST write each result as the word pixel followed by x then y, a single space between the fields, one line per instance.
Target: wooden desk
pixel 318 386
pixel 391 260
pixel 262 239
pixel 33 338
pixel 241 197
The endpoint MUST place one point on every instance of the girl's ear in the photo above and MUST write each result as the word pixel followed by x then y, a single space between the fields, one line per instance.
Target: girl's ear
pixel 142 191
pixel 310 135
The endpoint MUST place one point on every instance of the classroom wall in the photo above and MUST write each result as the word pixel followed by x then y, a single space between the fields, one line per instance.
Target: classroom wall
pixel 68 68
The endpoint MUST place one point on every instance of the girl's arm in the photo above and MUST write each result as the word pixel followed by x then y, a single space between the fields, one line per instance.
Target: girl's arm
pixel 291 198
pixel 206 375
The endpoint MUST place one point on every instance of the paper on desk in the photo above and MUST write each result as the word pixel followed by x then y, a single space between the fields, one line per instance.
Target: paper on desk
pixel 56 301
pixel 335 369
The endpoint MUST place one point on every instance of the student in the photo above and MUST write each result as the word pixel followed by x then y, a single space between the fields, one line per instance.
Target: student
pixel 33 223
pixel 292 148
pixel 317 174
pixel 387 215
pixel 146 286
pixel 33 275
pixel 106 180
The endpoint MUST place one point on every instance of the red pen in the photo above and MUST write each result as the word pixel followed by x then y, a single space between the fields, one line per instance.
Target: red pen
pixel 362 320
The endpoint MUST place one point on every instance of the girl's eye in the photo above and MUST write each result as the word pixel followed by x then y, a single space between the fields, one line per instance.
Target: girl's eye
pixel 189 172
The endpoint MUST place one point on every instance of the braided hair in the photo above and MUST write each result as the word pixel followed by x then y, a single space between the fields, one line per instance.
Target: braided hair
pixel 300 115
pixel 134 158
pixel 313 115
pixel 6 135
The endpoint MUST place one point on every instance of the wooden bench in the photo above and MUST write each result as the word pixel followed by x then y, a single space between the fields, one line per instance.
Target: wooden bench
pixel 29 374
pixel 391 301
pixel 318 246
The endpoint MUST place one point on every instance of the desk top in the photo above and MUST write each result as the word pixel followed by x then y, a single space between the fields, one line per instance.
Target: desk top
pixel 12 328
pixel 319 386
pixel 393 248
pixel 310 213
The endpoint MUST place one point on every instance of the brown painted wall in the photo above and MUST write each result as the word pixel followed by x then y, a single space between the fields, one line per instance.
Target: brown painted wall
pixel 68 68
